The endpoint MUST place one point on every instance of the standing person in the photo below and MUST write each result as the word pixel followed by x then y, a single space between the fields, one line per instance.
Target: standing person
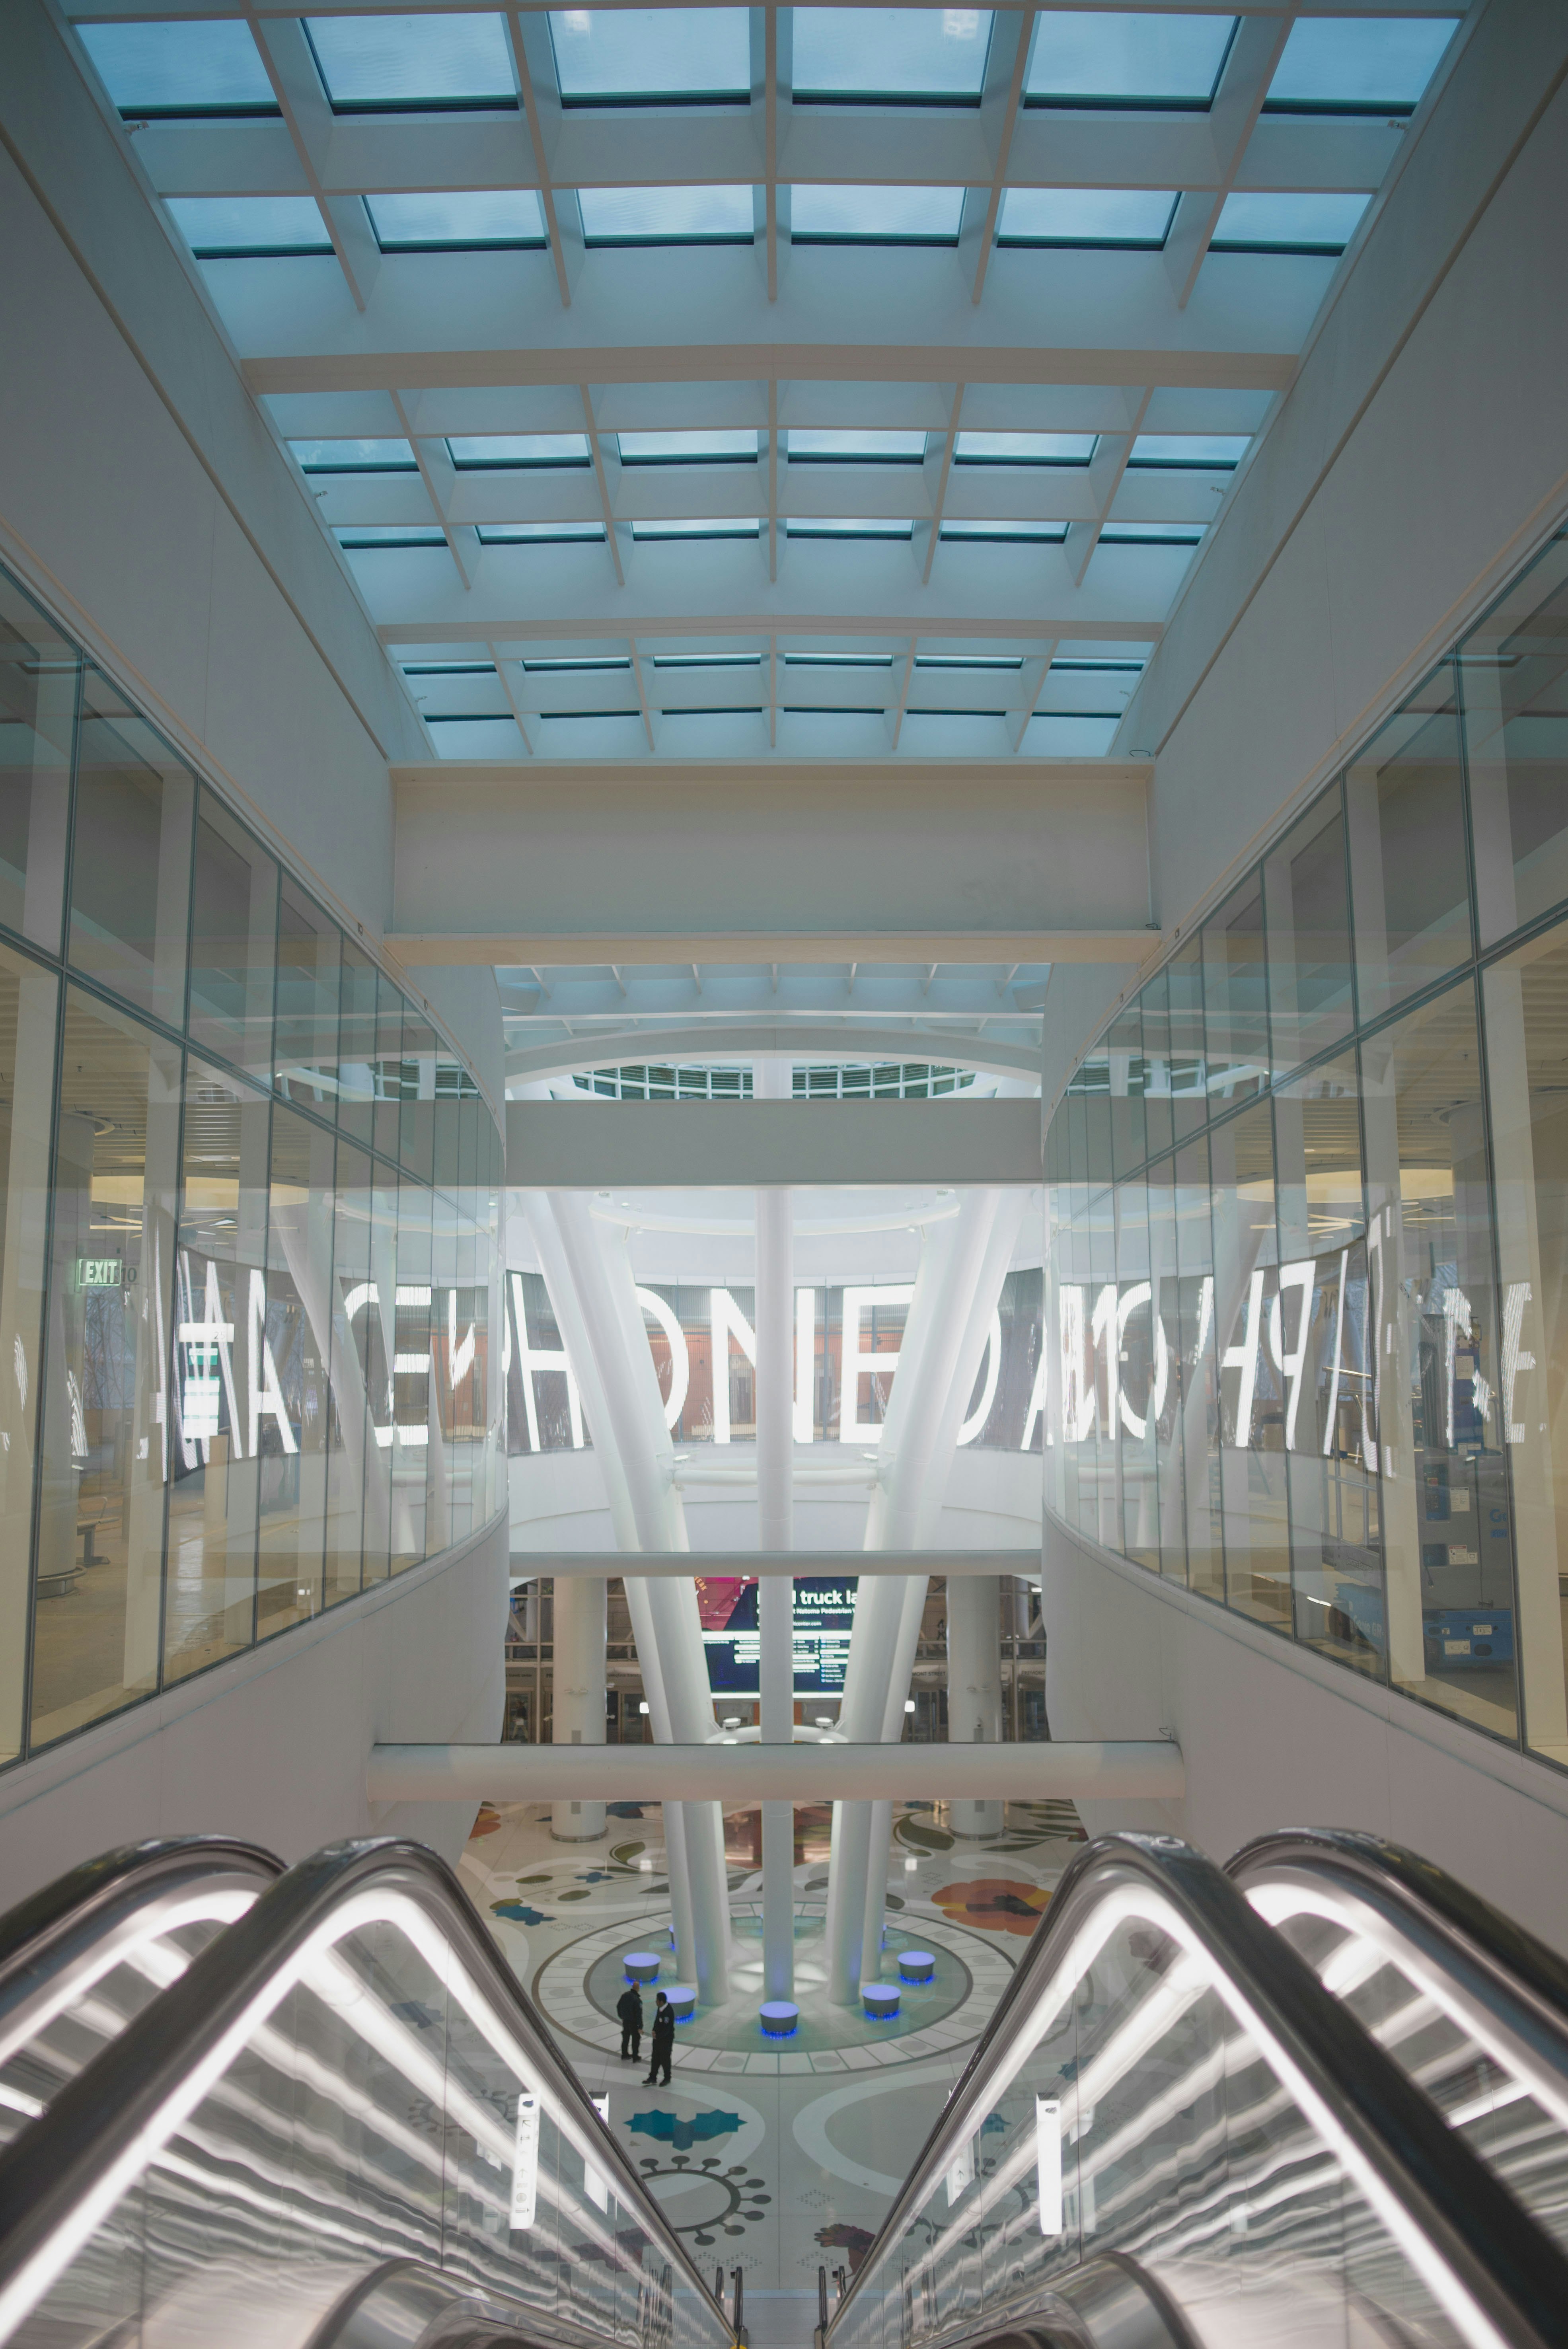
pixel 629 2007
pixel 661 2043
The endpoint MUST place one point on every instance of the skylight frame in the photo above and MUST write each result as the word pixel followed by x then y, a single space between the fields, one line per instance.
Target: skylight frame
pixel 1393 109
pixel 210 110
pixel 925 100
pixel 448 668
pixel 542 533
pixel 914 240
pixel 678 661
pixel 1137 464
pixel 1013 461
pixel 667 460
pixel 532 242
pixel 695 530
pixel 736 95
pixel 639 241
pixel 320 247
pixel 852 528
pixel 573 464
pixel 967 529
pixel 863 456
pixel 370 466
pixel 836 660
pixel 573 663
pixel 1124 101
pixel 1151 534
pixel 388 538
pixel 1012 242
pixel 1316 248
pixel 490 102
pixel 996 663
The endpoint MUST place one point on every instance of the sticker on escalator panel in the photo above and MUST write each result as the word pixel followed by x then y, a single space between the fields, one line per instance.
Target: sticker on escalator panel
pixel 525 2163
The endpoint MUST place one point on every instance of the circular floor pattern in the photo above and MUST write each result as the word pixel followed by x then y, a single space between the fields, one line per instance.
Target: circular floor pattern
pixel 577 1987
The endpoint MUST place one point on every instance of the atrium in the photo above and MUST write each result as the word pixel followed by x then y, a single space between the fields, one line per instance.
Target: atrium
pixel 783 1183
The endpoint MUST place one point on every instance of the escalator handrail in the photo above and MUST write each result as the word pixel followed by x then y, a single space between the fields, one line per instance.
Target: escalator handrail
pixel 61 1928
pixel 1521 1984
pixel 1509 2267
pixel 94 2125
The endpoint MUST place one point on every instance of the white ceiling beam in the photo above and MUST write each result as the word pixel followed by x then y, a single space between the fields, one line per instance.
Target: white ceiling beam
pixel 1232 119
pixel 518 715
pixel 591 425
pixel 541 157
pixel 971 628
pixel 561 950
pixel 748 1039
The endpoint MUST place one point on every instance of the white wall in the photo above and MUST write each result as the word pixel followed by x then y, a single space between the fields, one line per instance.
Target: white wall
pixel 273 1746
pixel 1275 1736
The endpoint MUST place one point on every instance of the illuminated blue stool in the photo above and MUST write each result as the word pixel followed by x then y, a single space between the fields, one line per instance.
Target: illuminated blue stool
pixel 681 2000
pixel 779 2017
pixel 880 2001
pixel 916 1966
pixel 641 1966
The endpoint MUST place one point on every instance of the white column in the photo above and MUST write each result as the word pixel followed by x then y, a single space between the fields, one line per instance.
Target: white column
pixel 581 1631
pixel 775 1315
pixel 974 1684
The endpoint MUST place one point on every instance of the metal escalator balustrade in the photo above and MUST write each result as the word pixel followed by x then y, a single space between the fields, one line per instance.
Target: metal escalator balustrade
pixel 1167 2085
pixel 1470 2006
pixel 346 2081
pixel 89 1951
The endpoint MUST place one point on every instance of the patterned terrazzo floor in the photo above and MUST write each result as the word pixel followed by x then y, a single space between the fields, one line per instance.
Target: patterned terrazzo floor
pixel 772 2161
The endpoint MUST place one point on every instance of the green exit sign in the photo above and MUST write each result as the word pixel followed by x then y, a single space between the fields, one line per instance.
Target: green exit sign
pixel 98 1272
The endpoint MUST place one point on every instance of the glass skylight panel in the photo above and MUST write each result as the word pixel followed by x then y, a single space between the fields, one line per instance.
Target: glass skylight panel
pixel 846 526
pixel 1193 451
pixel 1093 57
pixel 413 64
pixel 969 660
pixel 1151 534
pixel 1024 448
pixel 1025 534
pixel 541 533
pixel 1137 219
pixel 699 527
pixel 815 448
pixel 838 660
pixel 448 668
pixel 738 448
pixel 189 67
pixel 900 57
pixel 470 219
pixel 1358 65
pixel 497 452
pixel 354 456
pixel 707 660
pixel 848 215
pixel 651 57
pixel 721 215
pixel 1267 222
pixel 381 535
pixel 564 664
pixel 233 227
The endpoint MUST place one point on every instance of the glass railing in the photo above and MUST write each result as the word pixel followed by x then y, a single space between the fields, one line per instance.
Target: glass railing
pixel 1471 2007
pixel 1170 2114
pixel 346 2082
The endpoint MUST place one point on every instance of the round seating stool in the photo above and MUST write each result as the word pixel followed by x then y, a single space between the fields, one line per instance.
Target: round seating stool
pixel 642 1965
pixel 880 2001
pixel 778 2018
pixel 682 2001
pixel 916 1966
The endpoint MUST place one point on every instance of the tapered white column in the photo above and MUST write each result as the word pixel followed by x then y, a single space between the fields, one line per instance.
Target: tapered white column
pixel 775 1310
pixel 580 1609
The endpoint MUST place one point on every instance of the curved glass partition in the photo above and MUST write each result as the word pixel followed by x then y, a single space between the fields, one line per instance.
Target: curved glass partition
pixel 249 1259
pixel 1307 1219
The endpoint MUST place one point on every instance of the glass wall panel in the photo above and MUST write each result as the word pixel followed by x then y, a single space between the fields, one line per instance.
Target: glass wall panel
pixel 1093 1082
pixel 1252 1397
pixel 1446 1510
pixel 38 670
pixel 1526 1001
pixel 29 1006
pixel 1124 1055
pixel 1132 1357
pixel 416 1124
pixel 1404 805
pixel 389 1069
pixel 357 1047
pixel 1235 998
pixel 130 856
pixel 1157 1102
pixel 413 1380
pixel 1103 1452
pixel 233 942
pixel 386 1533
pixel 349 1428
pixel 295 1347
pixel 1188 1069
pixel 1198 1435
pixel 1512 672
pixel 1164 1405
pixel 1320 1346
pixel 1307 897
pixel 100 1530
pixel 305 1045
pixel 220 1312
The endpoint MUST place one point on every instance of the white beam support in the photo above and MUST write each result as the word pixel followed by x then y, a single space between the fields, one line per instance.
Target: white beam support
pixel 682 1564
pixel 1107 1770
pixel 600 1145
pixel 774 1312
pixel 744 1040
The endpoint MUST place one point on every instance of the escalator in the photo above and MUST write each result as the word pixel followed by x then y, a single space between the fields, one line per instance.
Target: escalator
pixel 1318 2099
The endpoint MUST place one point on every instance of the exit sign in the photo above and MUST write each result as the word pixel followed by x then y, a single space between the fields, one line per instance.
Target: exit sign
pixel 98 1272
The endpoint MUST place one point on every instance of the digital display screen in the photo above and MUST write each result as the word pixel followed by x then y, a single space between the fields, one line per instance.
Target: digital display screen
pixel 824 1615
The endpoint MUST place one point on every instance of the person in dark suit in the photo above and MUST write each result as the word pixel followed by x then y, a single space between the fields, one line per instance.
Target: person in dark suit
pixel 629 2007
pixel 661 2043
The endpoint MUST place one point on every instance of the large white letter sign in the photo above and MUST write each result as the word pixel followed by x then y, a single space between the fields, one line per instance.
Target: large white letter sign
pixel 726 1320
pixel 654 1305
pixel 542 1358
pixel 852 1428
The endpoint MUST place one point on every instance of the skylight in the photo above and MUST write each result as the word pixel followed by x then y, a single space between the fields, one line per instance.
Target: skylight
pixel 969 660
pixel 383 536
pixel 722 215
pixel 233 227
pixel 189 68
pixel 699 527
pixel 846 526
pixel 899 56
pixel 448 668
pixel 1287 223
pixel 413 64
pixel 814 448
pixel 496 452
pixel 651 57
pixel 1089 57
pixel 1358 65
pixel 707 660
pixel 1193 451
pixel 1137 219
pixel 1023 447
pixel 541 533
pixel 354 456
pixel 688 448
pixel 852 215
pixel 1151 534
pixel 474 220
pixel 1026 534
pixel 838 660
pixel 571 662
